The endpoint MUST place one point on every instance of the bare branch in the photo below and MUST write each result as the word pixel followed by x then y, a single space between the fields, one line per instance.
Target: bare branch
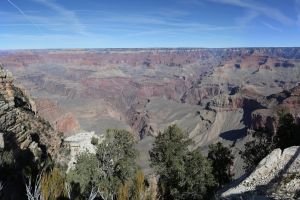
pixel 93 194
pixel 1 186
pixel 68 189
pixel 35 192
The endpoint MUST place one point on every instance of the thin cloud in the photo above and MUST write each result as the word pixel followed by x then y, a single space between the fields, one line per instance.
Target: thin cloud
pixel 55 24
pixel 271 27
pixel 297 2
pixel 262 9
pixel 244 20
pixel 152 22
pixel 72 20
pixel 23 13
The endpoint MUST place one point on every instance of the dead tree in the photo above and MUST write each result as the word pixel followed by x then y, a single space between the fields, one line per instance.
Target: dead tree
pixel 34 192
pixel 93 194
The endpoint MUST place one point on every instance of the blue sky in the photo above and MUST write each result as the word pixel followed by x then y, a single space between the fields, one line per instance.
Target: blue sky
pixel 31 24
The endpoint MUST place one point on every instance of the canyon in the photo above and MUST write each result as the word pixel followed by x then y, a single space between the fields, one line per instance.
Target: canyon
pixel 212 94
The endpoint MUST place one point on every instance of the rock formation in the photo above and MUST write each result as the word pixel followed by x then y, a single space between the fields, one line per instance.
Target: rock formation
pixel 81 143
pixel 287 101
pixel 276 177
pixel 61 120
pixel 6 86
pixel 22 129
pixel 87 83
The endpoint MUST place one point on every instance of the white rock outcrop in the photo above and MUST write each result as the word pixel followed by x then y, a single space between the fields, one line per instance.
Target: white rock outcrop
pixel 81 143
pixel 276 176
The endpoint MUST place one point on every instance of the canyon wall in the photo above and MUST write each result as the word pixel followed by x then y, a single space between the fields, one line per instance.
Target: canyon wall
pixel 20 127
pixel 96 89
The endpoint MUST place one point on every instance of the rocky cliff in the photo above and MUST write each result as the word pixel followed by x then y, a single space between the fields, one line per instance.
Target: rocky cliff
pixel 22 129
pixel 287 101
pixel 61 120
pixel 276 177
pixel 100 88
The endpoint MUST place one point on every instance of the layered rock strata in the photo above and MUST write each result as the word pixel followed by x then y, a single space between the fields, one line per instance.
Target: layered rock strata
pixel 22 129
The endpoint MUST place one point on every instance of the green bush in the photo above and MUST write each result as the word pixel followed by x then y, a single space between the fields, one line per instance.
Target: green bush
pixel 94 141
pixel 288 132
pixel 7 158
pixel 183 174
pixel 257 149
pixel 113 164
pixel 222 161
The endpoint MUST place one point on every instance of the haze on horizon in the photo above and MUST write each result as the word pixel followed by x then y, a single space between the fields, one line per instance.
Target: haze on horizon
pixel 31 24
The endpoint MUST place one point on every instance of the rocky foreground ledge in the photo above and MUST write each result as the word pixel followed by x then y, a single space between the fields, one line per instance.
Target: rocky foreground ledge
pixel 21 129
pixel 276 177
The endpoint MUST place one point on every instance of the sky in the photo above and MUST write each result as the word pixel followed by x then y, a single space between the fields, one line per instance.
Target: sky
pixel 43 24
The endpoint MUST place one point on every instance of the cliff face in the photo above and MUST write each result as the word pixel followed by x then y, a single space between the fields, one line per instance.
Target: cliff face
pixel 286 101
pixel 22 129
pixel 276 177
pixel 61 121
pixel 96 89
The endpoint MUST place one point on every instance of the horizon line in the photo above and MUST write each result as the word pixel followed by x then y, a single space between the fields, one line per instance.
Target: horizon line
pixel 145 48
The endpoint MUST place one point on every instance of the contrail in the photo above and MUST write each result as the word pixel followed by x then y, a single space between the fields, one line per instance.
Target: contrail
pixel 21 11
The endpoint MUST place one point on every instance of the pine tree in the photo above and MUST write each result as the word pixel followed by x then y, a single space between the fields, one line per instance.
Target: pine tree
pixel 222 161
pixel 183 174
pixel 111 167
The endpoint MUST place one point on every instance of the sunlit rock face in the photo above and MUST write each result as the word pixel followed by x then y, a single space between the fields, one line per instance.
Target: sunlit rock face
pixel 276 176
pixel 81 143
pixel 6 85
pixel 287 101
pixel 212 94
pixel 96 89
pixel 64 122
